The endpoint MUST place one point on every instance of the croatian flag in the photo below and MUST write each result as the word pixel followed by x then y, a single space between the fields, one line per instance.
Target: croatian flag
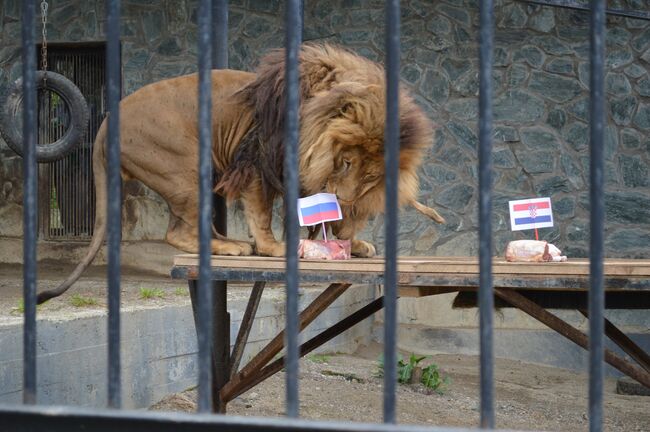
pixel 530 214
pixel 322 207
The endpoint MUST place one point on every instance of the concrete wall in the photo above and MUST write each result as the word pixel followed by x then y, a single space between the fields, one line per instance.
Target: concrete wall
pixel 540 94
pixel 158 348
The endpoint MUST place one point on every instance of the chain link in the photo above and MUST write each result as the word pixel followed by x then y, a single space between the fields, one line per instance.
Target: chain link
pixel 44 7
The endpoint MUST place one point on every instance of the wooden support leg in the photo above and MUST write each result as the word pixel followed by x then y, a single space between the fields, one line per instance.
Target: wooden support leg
pixel 570 332
pixel 220 345
pixel 221 339
pixel 245 327
pixel 313 343
pixel 625 343
pixel 308 315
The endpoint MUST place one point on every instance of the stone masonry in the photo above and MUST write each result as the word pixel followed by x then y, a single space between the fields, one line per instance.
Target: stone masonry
pixel 541 106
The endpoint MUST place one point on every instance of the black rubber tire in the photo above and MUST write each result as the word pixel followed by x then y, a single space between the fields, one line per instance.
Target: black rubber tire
pixel 77 107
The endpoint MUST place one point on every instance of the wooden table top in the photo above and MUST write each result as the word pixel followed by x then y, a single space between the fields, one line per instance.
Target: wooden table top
pixel 623 274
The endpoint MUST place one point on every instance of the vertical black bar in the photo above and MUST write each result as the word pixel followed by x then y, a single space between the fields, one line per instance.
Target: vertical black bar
pixel 292 78
pixel 597 216
pixel 391 156
pixel 486 296
pixel 30 201
pixel 205 294
pixel 220 61
pixel 114 216
pixel 221 317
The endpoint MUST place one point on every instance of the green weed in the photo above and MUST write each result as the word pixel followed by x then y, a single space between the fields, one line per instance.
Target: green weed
pixel 78 300
pixel 151 293
pixel 181 292
pixel 319 358
pixel 431 375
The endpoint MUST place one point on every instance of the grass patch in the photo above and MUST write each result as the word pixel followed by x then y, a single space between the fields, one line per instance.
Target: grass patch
pixel 79 301
pixel 319 358
pixel 20 308
pixel 181 292
pixel 151 293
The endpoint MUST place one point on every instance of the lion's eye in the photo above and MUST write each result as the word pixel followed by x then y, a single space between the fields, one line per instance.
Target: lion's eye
pixel 346 164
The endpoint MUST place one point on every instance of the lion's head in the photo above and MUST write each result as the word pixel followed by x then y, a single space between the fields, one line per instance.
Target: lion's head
pixel 342 130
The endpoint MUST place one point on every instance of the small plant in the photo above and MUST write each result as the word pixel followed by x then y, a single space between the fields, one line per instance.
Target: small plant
pixel 181 292
pixel 21 307
pixel 319 358
pixel 405 369
pixel 151 293
pixel 431 376
pixel 81 301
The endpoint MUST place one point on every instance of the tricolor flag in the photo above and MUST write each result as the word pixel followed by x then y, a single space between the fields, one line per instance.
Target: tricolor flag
pixel 530 214
pixel 322 207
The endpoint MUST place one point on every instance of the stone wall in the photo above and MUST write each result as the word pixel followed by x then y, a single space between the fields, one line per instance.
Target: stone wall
pixel 540 105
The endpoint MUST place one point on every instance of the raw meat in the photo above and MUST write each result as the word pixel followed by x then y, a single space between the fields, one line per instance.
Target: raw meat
pixel 324 250
pixel 533 251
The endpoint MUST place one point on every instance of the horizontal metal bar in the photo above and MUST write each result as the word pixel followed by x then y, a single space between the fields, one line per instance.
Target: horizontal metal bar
pixel 573 4
pixel 18 418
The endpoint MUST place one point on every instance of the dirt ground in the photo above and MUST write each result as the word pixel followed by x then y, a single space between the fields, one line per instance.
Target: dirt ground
pixel 346 387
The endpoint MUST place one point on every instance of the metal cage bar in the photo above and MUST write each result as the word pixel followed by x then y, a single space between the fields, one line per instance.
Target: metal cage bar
pixel 30 201
pixel 391 157
pixel 114 216
pixel 205 294
pixel 486 294
pixel 291 136
pixel 597 215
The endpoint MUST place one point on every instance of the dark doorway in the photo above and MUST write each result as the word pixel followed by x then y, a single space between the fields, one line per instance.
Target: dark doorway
pixel 67 203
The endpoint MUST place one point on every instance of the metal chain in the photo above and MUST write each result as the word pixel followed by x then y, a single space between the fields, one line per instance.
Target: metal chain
pixel 44 7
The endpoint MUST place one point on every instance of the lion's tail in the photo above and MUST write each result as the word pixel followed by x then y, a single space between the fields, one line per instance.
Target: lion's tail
pixel 428 211
pixel 99 170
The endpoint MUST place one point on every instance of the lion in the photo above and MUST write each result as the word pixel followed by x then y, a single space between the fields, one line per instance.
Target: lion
pixel 341 148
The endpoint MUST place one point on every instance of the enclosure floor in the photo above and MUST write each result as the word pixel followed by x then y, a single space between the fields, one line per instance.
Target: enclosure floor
pixel 528 396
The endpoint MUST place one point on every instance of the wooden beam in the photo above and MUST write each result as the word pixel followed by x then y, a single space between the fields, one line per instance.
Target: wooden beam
pixel 624 342
pixel 252 369
pixel 245 326
pixel 570 332
pixel 313 343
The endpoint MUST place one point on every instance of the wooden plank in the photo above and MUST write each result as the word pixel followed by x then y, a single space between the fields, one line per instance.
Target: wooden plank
pixel 442 280
pixel 457 265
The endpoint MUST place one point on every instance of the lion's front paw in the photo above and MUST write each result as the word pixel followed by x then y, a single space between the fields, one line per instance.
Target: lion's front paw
pixel 276 249
pixel 231 247
pixel 363 249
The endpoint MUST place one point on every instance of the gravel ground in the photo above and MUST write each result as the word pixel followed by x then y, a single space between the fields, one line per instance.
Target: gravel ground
pixel 346 387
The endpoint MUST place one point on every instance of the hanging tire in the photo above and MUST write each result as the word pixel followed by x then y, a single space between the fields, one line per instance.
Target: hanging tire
pixel 11 129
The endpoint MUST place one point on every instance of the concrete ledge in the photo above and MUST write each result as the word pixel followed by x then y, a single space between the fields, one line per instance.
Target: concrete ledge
pixel 158 348
pixel 150 256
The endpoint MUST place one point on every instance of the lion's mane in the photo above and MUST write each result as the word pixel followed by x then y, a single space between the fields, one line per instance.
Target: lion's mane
pixel 342 106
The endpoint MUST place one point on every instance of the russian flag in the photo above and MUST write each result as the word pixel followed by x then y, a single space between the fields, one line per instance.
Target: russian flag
pixel 530 214
pixel 322 207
